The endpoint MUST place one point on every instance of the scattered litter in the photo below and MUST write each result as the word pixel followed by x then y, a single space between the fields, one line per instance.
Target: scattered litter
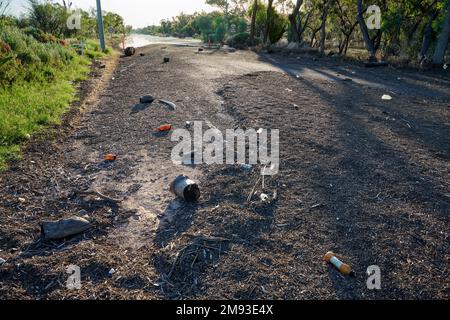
pixel 166 60
pixel 407 123
pixel 142 54
pixel 169 103
pixel 288 90
pixel 21 200
pixel 130 51
pixel 146 99
pixel 247 167
pixel 52 230
pixel 200 49
pixel 102 66
pixel 188 124
pixel 164 127
pixel 2 261
pixel 110 157
pixel 316 206
pixel 343 268
pixel 185 188
pixel 297 76
pixel 386 97
pixel 260 130
pixel 445 66
pixel 111 272
pixel 275 195
pixel 264 197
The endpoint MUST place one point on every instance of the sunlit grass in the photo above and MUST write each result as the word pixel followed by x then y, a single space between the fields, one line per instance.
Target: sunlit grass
pixel 38 86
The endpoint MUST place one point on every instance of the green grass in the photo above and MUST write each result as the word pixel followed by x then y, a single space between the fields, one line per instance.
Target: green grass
pixel 92 49
pixel 36 87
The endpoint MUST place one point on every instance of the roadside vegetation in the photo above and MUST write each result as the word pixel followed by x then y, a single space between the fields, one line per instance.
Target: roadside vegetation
pixel 41 62
pixel 410 32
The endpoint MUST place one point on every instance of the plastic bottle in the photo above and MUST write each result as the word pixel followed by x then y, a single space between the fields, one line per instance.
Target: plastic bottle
pixel 343 268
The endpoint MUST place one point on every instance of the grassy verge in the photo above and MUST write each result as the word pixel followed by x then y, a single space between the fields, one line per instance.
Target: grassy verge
pixel 37 85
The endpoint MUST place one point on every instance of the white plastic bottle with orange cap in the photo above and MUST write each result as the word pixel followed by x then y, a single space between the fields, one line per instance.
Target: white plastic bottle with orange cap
pixel 343 268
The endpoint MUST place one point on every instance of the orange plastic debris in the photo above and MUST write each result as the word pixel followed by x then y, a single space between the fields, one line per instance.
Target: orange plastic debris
pixel 165 127
pixel 343 268
pixel 110 157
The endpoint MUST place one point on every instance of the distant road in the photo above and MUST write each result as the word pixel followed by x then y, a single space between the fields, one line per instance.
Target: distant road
pixel 142 40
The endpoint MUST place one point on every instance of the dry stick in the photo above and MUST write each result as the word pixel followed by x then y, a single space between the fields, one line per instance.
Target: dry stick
pixel 174 263
pixel 212 238
pixel 253 190
pixel 101 195
pixel 263 177
pixel 193 261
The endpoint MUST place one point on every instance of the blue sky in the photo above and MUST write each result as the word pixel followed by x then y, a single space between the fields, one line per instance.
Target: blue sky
pixel 137 13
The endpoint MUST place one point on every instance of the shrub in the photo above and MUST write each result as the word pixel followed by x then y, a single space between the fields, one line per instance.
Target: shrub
pixel 242 40
pixel 278 26
pixel 40 35
pixel 26 55
pixel 239 41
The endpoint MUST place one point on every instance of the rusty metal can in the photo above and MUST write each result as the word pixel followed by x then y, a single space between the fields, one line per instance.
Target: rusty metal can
pixel 185 188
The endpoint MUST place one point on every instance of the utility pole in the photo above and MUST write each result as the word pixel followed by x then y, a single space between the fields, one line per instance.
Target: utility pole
pixel 100 26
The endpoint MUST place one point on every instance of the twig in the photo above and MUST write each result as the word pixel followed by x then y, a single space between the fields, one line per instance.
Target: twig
pixel 253 190
pixel 174 263
pixel 101 195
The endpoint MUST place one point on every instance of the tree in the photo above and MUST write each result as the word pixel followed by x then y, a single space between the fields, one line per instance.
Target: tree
pixel 4 4
pixel 67 5
pixel 365 31
pixel 427 35
pixel 48 17
pixel 347 25
pixel 326 7
pixel 224 5
pixel 253 23
pixel 268 21
pixel 113 20
pixel 441 46
pixel 296 32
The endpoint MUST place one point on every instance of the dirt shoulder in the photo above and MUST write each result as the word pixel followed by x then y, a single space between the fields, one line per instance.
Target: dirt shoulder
pixel 366 178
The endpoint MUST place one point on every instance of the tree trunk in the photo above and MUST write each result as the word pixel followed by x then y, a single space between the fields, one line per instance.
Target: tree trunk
pixel 313 37
pixel 377 40
pixel 365 31
pixel 303 27
pixel 293 21
pixel 441 47
pixel 427 35
pixel 253 25
pixel 324 24
pixel 268 21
